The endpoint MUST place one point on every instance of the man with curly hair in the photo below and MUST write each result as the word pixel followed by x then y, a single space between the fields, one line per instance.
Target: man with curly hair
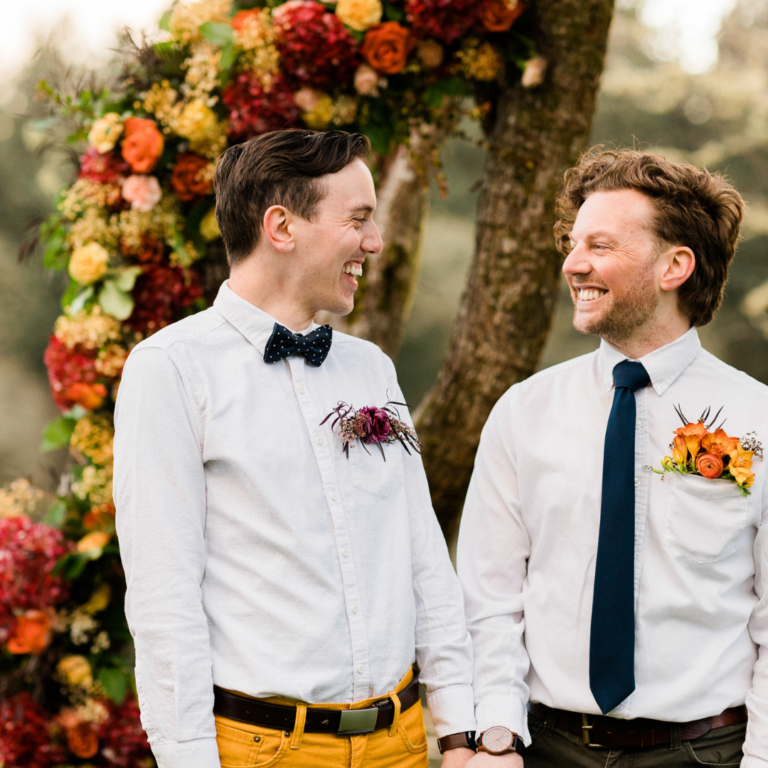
pixel 619 616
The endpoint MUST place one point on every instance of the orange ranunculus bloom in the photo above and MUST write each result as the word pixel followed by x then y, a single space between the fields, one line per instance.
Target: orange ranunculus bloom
pixel 708 465
pixel 90 396
pixel 720 444
pixel 143 144
pixel 32 634
pixel 83 740
pixel 740 467
pixel 386 47
pixel 500 15
pixel 190 179
pixel 679 451
pixel 693 434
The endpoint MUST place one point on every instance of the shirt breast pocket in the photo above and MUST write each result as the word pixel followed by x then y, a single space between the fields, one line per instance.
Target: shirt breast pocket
pixel 705 518
pixel 373 473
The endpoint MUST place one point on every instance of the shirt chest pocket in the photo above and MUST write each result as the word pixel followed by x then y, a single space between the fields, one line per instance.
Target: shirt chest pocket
pixel 373 473
pixel 705 518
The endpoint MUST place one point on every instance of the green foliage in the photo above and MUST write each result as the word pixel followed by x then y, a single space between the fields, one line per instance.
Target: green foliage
pixel 115 683
pixel 58 433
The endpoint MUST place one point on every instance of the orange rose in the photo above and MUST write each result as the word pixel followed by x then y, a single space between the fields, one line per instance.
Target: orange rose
pixel 93 541
pixel 679 451
pixel 386 47
pixel 90 396
pixel 708 465
pixel 32 634
pixel 720 444
pixel 100 516
pixel 83 740
pixel 500 15
pixel 190 179
pixel 241 18
pixel 143 144
pixel 693 434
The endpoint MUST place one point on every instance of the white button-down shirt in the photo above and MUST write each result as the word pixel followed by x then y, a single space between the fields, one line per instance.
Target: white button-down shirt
pixel 529 534
pixel 257 555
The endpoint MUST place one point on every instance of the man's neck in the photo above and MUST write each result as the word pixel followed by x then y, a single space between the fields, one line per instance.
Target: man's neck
pixel 647 340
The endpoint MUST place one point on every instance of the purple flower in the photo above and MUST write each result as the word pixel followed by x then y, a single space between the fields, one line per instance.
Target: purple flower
pixel 376 425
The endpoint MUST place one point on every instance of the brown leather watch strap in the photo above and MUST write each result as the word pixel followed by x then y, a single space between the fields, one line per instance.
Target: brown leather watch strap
pixel 457 740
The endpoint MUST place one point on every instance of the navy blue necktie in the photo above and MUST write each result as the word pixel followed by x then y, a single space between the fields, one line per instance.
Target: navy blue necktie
pixel 612 638
pixel 314 347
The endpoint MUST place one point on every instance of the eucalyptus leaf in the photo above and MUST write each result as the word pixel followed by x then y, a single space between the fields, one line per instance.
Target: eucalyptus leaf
pixel 115 301
pixel 227 58
pixel 165 22
pixel 126 278
pixel 57 433
pixel 216 33
pixel 56 514
pixel 79 302
pixel 115 683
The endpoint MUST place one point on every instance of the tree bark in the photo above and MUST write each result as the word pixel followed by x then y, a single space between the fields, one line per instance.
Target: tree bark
pixel 384 298
pixel 510 296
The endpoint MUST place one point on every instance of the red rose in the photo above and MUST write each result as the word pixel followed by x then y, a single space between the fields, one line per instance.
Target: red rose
pixel 254 110
pixel 190 179
pixel 376 427
pixel 386 47
pixel 447 20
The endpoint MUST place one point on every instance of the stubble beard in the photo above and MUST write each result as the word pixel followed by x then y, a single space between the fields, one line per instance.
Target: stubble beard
pixel 625 315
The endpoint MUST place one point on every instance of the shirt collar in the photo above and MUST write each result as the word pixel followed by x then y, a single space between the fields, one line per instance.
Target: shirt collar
pixel 255 324
pixel 664 364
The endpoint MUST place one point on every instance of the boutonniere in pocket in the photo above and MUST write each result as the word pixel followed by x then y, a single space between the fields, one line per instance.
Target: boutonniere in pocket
pixel 699 450
pixel 372 426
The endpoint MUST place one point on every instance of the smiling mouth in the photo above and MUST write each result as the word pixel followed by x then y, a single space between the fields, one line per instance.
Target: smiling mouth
pixel 590 294
pixel 354 269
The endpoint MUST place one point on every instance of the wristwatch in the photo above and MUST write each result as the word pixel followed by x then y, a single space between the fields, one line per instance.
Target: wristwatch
pixel 456 740
pixel 499 740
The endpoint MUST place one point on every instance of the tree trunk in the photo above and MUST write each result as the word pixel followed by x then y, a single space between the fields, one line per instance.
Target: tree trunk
pixel 383 300
pixel 508 303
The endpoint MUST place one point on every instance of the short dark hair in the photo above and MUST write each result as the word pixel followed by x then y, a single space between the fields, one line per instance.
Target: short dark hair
pixel 694 208
pixel 278 168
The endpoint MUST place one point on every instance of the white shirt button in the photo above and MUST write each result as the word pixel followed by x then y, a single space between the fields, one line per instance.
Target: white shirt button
pixel 319 439
pixel 637 483
pixel 302 389
pixel 333 495
pixel 354 609
pixel 345 552
pixel 361 669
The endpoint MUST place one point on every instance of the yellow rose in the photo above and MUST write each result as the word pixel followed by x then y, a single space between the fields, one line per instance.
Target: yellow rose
pixel 92 541
pixel 76 671
pixel 105 132
pixel 209 227
pixel 88 263
pixel 196 121
pixel 359 14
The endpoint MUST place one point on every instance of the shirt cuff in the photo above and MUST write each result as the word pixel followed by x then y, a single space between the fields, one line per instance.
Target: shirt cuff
pixel 452 709
pixel 202 753
pixel 508 711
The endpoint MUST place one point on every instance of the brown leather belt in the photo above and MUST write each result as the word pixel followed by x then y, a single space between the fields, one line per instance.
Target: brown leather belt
pixel 611 732
pixel 344 722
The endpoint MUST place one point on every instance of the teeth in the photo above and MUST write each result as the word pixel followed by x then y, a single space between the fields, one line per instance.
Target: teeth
pixel 591 294
pixel 353 268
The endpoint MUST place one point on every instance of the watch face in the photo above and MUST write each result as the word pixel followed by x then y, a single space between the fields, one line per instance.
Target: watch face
pixel 497 739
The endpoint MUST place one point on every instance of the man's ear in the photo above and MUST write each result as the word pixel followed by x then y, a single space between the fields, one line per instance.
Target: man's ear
pixel 679 264
pixel 277 228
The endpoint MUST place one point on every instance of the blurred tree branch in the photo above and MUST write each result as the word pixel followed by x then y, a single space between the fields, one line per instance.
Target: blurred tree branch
pixel 535 135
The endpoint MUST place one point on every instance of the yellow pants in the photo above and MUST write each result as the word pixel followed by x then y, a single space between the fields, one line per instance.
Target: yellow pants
pixel 404 745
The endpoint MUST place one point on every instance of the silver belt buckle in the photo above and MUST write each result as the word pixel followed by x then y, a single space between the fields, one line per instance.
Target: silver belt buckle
pixel 354 722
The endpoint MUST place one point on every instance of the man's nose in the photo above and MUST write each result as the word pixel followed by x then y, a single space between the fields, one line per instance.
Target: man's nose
pixel 372 242
pixel 576 262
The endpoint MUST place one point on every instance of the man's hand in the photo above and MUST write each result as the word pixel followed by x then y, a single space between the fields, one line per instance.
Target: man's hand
pixel 484 760
pixel 457 758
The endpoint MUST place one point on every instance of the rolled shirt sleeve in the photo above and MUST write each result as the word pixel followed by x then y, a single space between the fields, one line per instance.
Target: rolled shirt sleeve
pixel 160 497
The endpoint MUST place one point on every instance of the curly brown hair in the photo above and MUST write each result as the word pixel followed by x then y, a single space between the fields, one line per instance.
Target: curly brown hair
pixel 694 208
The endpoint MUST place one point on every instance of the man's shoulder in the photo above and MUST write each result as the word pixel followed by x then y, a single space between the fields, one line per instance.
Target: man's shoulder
pixel 187 332
pixel 353 347
pixel 735 377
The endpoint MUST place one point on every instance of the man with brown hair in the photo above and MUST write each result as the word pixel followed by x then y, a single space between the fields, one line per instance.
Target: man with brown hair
pixel 619 616
pixel 282 582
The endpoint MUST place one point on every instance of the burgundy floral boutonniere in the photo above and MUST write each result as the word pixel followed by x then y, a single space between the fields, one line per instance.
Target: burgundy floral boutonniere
pixel 372 426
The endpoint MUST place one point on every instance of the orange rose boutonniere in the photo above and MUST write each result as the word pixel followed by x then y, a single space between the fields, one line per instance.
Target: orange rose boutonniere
pixel 711 454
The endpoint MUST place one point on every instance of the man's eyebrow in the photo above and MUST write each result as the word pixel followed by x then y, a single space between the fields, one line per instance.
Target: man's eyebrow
pixel 362 208
pixel 596 233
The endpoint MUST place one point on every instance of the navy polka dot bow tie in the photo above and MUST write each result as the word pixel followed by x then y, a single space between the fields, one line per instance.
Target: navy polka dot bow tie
pixel 314 347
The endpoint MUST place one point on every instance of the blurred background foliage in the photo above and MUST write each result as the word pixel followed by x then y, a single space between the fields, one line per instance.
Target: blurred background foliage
pixel 718 118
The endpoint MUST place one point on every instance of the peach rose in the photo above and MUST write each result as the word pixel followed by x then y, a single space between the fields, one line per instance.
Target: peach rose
pixel 359 14
pixel 386 47
pixel 143 144
pixel 32 633
pixel 693 435
pixel 88 263
pixel 430 53
pixel 708 465
pixel 367 80
pixel 142 192
pixel 306 99
pixel 83 740
pixel 500 15
pixel 89 396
